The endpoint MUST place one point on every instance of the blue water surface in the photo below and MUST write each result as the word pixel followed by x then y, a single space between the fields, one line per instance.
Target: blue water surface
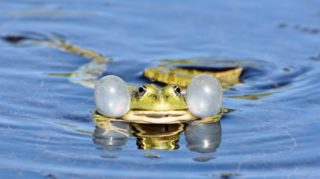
pixel 46 128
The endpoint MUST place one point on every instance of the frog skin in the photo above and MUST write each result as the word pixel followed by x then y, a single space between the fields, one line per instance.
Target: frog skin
pixel 149 103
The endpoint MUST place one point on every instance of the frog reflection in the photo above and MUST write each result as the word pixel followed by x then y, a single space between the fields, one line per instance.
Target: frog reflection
pixel 157 136
pixel 203 137
pixel 200 137
pixel 111 135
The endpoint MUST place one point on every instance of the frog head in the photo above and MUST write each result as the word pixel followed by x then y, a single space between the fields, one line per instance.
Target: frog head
pixel 154 98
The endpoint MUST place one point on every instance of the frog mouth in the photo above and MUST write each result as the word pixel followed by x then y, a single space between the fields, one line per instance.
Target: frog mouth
pixel 159 117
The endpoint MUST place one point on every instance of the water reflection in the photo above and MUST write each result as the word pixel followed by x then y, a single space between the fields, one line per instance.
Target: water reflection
pixel 157 136
pixel 111 135
pixel 200 137
pixel 203 138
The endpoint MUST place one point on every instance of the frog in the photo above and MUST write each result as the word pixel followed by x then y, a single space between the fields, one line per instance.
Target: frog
pixel 155 104
pixel 181 99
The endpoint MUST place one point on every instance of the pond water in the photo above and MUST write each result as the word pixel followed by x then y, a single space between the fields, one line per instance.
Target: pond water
pixel 46 128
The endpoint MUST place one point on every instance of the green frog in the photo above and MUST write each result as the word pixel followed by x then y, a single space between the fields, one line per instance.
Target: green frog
pixel 150 103
pixel 188 95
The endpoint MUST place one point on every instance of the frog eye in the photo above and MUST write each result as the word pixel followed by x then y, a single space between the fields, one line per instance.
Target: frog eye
pixel 177 90
pixel 204 96
pixel 112 97
pixel 142 90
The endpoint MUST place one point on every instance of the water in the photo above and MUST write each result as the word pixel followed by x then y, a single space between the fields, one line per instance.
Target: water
pixel 46 129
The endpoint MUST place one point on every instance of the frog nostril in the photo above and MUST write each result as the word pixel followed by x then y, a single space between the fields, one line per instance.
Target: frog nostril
pixel 155 97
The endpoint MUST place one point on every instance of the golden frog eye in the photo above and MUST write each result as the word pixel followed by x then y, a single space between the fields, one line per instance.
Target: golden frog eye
pixel 177 90
pixel 142 90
